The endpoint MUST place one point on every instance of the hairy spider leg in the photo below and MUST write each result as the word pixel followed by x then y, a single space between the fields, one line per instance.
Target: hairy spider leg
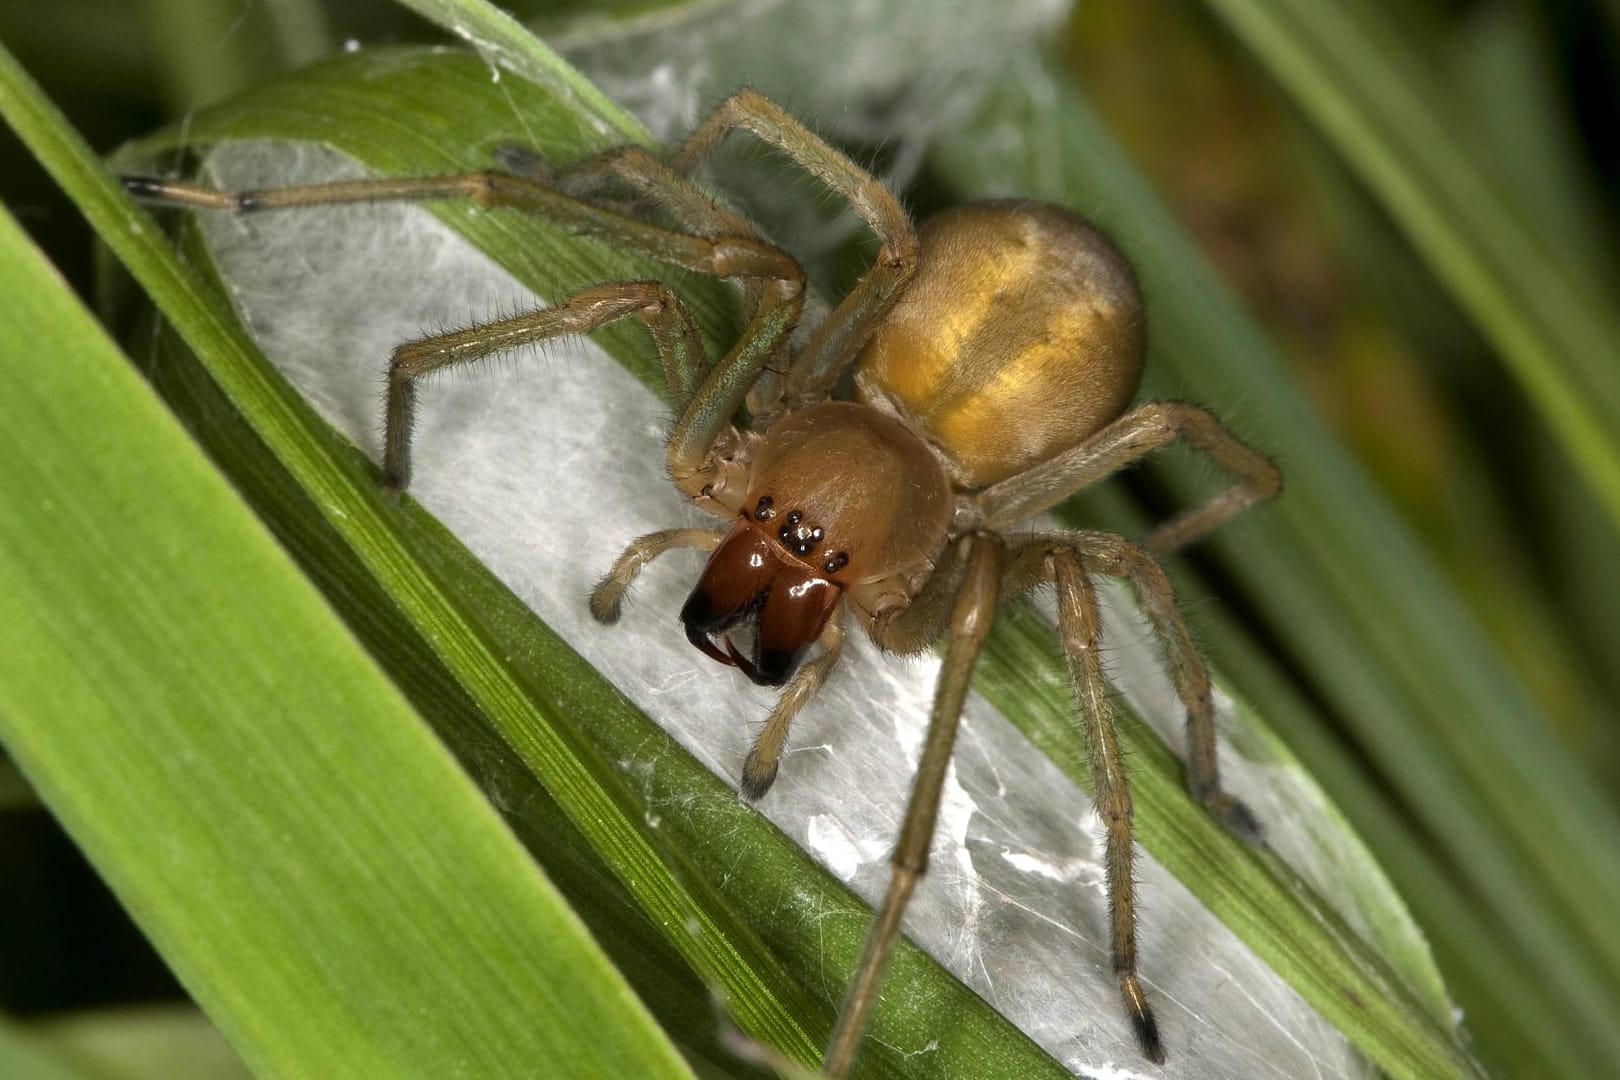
pixel 1079 631
pixel 706 412
pixel 838 339
pixel 670 325
pixel 977 597
pixel 1114 556
pixel 650 177
pixel 759 767
pixel 693 208
pixel 1066 560
pixel 915 625
pixel 1138 433
pixel 607 598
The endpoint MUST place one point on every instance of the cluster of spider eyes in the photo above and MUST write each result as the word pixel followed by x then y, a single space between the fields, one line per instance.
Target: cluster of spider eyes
pixel 799 538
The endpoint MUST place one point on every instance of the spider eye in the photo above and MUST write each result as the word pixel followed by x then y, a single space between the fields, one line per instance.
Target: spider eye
pixel 747 582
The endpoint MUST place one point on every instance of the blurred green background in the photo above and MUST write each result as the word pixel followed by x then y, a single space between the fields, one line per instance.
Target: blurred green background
pixel 1394 360
pixel 1385 355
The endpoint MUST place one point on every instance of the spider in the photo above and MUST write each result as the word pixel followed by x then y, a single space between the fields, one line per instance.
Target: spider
pixel 994 354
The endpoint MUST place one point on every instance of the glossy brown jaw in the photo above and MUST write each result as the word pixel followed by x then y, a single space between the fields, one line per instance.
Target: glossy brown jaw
pixel 749 580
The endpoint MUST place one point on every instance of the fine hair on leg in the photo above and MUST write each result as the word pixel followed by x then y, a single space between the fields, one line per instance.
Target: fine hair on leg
pixel 710 395
pixel 608 597
pixel 1114 556
pixel 1056 560
pixel 1140 432
pixel 759 768
pixel 673 332
pixel 971 616
pixel 838 339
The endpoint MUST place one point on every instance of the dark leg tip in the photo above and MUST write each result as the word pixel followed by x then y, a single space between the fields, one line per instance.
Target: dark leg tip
pixel 523 161
pixel 142 186
pixel 605 612
pixel 1147 1037
pixel 756 780
pixel 1238 819
pixel 1142 1022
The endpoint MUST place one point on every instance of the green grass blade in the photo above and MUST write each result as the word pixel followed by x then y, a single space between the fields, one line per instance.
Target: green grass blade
pixel 24 1055
pixel 208 51
pixel 313 864
pixel 588 786
pixel 1370 94
pixel 1523 128
pixel 150 1042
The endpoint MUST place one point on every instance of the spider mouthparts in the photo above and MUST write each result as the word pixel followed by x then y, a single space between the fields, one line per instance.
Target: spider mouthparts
pixel 778 602
pixel 730 656
pixel 701 631
pixel 746 666
pixel 700 638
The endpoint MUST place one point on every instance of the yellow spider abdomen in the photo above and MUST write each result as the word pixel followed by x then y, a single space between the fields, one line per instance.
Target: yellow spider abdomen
pixel 1020 335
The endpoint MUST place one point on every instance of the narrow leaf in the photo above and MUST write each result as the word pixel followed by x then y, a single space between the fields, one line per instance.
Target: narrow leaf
pixel 257 793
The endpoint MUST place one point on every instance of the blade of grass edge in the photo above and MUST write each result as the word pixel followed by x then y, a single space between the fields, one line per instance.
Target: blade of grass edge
pixel 504 41
pixel 1350 72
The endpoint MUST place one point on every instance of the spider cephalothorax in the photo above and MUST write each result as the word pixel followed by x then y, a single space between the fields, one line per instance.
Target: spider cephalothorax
pixel 995 354
pixel 841 502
